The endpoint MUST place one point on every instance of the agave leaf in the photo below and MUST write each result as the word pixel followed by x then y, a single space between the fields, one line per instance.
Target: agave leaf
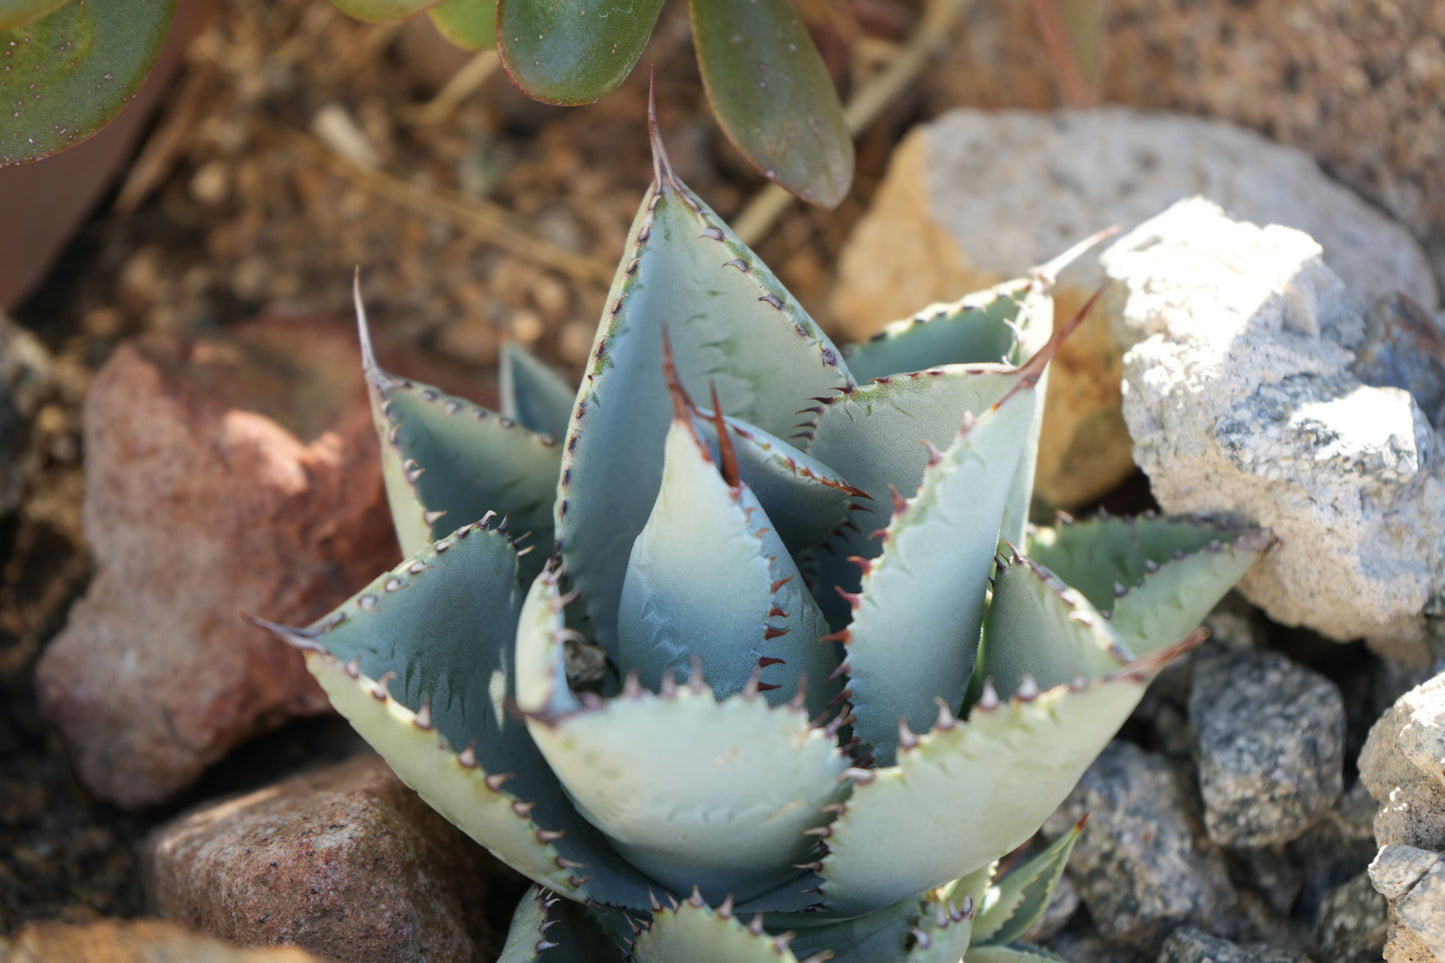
pixel 698 933
pixel 914 634
pixel 423 652
pixel 469 24
pixel 1006 768
pixel 1157 577
pixel 729 785
pixel 709 578
pixel 533 394
pixel 806 499
pixel 733 326
pixel 1014 905
pixel 69 72
pixel 572 51
pixel 1011 953
pixel 546 929
pixel 980 328
pixel 1039 627
pixel 919 929
pixel 773 96
pixel 448 462
pixel 876 436
pixel 17 13
pixel 382 11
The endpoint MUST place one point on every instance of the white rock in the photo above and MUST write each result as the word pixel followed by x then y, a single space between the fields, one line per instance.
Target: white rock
pixel 1240 401
pixel 977 196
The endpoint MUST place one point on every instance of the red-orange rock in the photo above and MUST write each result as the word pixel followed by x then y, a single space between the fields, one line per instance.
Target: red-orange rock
pixel 226 475
pixel 131 941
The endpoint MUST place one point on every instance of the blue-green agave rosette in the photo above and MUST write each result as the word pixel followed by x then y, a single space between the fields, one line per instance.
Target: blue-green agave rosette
pixel 744 650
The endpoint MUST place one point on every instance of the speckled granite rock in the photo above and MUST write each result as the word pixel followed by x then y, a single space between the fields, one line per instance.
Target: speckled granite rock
pixel 347 862
pixel 1269 743
pixel 1190 945
pixel 131 941
pixel 977 196
pixel 1240 401
pixel 1142 868
pixel 1352 923
pixel 1413 880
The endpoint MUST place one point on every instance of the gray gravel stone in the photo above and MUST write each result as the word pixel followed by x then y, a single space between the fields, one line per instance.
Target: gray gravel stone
pixel 1401 766
pixel 1189 945
pixel 1142 868
pixel 1352 923
pixel 1270 746
pixel 1413 880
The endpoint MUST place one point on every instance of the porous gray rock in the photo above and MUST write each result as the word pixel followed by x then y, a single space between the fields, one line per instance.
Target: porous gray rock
pixel 346 862
pixel 1269 743
pixel 1190 945
pixel 1352 923
pixel 1143 867
pixel 1413 881
pixel 977 196
pixel 1403 767
pixel 1241 401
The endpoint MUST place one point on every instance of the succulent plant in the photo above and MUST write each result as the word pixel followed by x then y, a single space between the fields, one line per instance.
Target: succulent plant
pixel 767 83
pixel 749 637
pixel 70 67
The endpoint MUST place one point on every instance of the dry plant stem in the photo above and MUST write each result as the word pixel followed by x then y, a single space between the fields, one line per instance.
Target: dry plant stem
pixel 1074 90
pixel 486 221
pixel 166 144
pixel 939 17
pixel 463 83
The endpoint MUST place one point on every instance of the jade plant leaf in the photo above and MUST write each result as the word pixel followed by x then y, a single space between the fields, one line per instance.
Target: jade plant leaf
pixel 66 75
pixel 470 24
pixel 17 13
pixel 773 96
pixel 572 51
pixel 383 11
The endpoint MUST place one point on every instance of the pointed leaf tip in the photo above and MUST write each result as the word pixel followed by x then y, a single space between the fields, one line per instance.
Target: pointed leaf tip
pixel 1048 272
pixel 363 328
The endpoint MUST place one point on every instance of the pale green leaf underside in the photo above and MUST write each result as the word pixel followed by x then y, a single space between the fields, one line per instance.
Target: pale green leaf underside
pixel 1013 905
pixel 731 324
pixel 533 394
pixel 968 794
pixel 980 328
pixel 442 454
pixel 915 634
pixel 579 863
pixel 1012 953
pixel 806 499
pixel 1038 626
pixel 698 792
pixel 1171 571
pixel 874 437
pixel 699 934
pixel 546 929
pixel 709 578
pixel 382 11
pixel 470 24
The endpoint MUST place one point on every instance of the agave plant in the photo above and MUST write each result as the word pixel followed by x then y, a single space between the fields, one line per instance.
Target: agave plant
pixel 767 83
pixel 747 640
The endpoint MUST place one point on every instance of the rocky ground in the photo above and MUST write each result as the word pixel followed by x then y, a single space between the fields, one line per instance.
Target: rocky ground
pixel 156 443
